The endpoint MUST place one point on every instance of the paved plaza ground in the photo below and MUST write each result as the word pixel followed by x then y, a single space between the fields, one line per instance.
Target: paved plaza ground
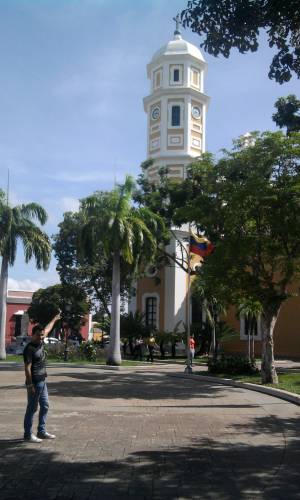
pixel 148 433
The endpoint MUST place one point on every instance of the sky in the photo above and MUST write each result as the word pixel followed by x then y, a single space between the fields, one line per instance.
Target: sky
pixel 72 81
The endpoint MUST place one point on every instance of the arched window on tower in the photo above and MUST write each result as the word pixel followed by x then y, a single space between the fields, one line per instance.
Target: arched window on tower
pixel 175 121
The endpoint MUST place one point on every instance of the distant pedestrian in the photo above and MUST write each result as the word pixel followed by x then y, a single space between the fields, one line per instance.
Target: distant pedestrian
pixel 138 351
pixel 151 345
pixel 192 348
pixel 37 394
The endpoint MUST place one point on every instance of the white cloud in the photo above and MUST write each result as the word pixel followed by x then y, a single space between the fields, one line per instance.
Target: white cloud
pixel 70 204
pixel 27 284
pixel 89 176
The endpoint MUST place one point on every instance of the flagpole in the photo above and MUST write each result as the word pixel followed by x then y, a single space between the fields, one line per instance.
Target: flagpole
pixel 7 191
pixel 188 368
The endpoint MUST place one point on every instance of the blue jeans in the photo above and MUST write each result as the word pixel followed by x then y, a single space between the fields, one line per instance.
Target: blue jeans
pixel 39 397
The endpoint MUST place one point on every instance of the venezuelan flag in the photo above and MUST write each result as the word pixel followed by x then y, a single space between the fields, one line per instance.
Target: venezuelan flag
pixel 200 245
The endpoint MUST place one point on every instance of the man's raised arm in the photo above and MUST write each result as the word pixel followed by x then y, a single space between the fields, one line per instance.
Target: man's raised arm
pixel 51 324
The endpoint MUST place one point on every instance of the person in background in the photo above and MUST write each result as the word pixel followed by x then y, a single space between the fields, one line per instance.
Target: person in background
pixel 35 373
pixel 151 345
pixel 138 352
pixel 192 348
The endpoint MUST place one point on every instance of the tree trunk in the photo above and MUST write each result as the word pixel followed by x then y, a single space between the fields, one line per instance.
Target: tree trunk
pixel 249 345
pixel 253 340
pixel 268 371
pixel 3 295
pixel 114 348
pixel 173 349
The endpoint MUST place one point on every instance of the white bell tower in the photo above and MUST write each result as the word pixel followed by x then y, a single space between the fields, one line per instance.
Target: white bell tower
pixel 176 107
pixel 176 112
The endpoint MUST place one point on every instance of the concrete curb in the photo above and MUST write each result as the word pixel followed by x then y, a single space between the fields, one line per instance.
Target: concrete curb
pixel 270 391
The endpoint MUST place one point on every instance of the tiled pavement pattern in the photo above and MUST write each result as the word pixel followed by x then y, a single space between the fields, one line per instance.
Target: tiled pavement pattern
pixel 148 433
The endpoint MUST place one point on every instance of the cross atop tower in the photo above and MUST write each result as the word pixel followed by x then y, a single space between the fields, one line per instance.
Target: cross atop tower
pixel 178 22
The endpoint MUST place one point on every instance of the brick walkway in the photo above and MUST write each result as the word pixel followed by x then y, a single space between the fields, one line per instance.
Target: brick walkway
pixel 148 434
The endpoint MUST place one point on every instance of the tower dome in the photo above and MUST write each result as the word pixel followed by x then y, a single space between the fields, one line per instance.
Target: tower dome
pixel 178 46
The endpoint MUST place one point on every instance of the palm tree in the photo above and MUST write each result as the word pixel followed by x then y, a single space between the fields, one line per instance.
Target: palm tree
pixel 129 236
pixel 251 309
pixel 213 307
pixel 18 224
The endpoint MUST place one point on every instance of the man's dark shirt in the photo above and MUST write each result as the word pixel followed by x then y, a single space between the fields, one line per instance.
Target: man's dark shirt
pixel 35 354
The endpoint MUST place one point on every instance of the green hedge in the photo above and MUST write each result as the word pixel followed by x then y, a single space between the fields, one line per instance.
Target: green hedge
pixel 233 365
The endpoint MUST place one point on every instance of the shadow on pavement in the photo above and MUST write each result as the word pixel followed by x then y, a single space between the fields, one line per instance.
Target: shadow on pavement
pixel 209 468
pixel 129 386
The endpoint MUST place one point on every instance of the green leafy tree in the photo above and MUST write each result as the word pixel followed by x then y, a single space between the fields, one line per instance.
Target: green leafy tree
pixel 288 113
pixel 156 198
pixel 214 306
pixel 248 204
pixel 132 325
pixel 237 24
pixel 18 224
pixel 130 237
pixel 251 309
pixel 69 299
pixel 91 272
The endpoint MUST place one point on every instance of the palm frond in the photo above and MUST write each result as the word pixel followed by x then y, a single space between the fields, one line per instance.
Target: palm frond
pixel 34 211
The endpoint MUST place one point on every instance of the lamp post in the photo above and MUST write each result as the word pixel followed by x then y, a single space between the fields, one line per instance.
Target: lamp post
pixel 188 369
pixel 67 310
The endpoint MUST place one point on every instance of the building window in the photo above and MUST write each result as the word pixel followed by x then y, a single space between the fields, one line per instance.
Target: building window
pixel 176 75
pixel 151 311
pixel 195 78
pixel 175 122
pixel 18 320
pixel 245 328
pixel 251 327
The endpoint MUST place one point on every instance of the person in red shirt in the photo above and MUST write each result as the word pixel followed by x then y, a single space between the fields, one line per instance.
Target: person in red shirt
pixel 192 348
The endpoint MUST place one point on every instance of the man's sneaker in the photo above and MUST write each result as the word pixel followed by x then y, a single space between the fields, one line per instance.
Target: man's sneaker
pixel 32 439
pixel 45 435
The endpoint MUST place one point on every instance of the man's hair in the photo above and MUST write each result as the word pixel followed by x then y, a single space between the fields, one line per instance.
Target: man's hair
pixel 37 329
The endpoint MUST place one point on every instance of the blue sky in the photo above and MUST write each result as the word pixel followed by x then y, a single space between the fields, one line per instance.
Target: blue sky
pixel 72 80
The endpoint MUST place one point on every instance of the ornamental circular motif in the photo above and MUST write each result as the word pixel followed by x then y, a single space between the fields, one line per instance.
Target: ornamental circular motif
pixel 196 112
pixel 155 113
pixel 151 271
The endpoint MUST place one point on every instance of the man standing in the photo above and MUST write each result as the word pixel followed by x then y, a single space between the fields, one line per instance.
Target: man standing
pixel 151 345
pixel 37 393
pixel 192 348
pixel 139 348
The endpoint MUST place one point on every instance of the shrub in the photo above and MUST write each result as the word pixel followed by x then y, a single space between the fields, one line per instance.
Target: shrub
pixel 233 365
pixel 89 350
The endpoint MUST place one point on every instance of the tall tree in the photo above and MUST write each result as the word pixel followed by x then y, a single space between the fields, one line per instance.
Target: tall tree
pixel 91 272
pixel 288 113
pixel 248 204
pixel 237 24
pixel 19 224
pixel 130 237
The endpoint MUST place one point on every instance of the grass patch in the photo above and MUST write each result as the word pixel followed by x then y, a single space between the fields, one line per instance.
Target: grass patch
pixel 125 362
pixel 18 358
pixel 287 381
